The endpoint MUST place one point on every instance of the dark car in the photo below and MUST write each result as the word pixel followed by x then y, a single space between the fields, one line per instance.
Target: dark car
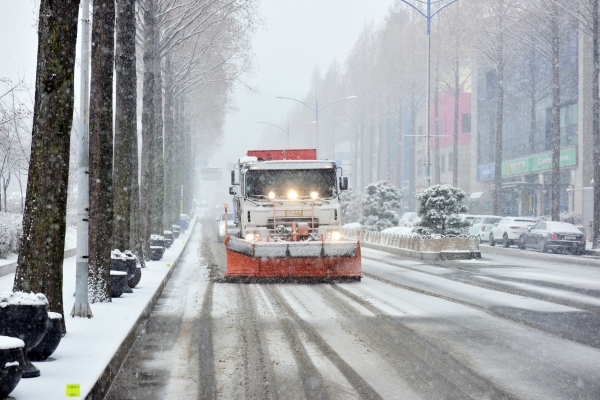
pixel 553 236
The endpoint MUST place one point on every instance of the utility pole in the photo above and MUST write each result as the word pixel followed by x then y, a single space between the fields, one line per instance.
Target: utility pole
pixel 428 17
pixel 81 308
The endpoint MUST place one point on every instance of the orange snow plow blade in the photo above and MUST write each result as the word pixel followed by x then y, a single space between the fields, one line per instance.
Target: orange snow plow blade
pixel 297 260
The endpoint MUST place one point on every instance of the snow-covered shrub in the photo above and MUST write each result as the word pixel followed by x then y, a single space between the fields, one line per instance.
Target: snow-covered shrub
pixel 350 205
pixel 14 203
pixel 439 209
pixel 10 232
pixel 376 203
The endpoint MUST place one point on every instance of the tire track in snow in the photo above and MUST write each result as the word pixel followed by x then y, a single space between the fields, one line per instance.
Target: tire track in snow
pixel 561 334
pixel 360 385
pixel 428 369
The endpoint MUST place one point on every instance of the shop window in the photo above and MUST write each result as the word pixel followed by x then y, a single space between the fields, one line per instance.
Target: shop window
pixel 450 161
pixel 443 163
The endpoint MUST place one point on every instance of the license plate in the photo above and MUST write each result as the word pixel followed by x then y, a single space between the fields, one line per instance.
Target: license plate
pixel 569 237
pixel 294 213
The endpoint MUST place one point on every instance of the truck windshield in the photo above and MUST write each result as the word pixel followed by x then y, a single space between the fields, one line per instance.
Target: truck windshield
pixel 304 181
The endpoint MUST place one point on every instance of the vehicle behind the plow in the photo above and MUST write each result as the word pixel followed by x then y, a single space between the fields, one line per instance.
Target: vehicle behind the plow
pixel 305 260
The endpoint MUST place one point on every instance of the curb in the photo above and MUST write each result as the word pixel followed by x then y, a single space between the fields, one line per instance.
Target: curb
pixel 424 255
pixel 540 256
pixel 102 385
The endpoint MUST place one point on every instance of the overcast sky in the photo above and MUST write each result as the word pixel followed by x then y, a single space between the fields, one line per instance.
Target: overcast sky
pixel 296 36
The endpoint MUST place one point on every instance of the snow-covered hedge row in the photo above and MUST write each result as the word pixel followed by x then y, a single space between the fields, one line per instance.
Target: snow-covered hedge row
pixel 10 232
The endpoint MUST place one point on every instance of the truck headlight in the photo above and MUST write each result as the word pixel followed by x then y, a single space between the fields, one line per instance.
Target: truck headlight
pixel 292 194
pixel 333 235
pixel 253 237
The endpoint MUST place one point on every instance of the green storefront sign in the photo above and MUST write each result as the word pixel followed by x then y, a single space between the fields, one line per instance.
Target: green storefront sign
pixel 539 162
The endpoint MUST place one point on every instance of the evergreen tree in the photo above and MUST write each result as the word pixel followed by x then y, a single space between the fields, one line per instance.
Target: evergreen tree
pixel 350 205
pixel 439 208
pixel 377 200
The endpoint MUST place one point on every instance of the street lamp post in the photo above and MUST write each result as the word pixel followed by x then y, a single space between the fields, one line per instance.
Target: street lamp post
pixel 428 16
pixel 287 129
pixel 317 108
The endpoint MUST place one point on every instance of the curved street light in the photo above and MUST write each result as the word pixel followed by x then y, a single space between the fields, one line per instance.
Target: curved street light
pixel 287 129
pixel 317 108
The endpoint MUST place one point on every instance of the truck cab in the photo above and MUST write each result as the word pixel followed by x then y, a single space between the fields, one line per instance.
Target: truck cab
pixel 278 197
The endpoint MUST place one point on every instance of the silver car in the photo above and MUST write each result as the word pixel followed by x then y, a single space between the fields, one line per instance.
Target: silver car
pixel 232 228
pixel 482 226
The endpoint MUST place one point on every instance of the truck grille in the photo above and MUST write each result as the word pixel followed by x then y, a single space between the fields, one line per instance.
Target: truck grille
pixel 287 221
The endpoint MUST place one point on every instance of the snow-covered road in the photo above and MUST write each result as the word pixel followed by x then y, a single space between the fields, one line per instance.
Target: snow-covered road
pixel 490 329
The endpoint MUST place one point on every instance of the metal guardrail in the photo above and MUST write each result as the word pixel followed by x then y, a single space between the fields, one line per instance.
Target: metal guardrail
pixel 422 243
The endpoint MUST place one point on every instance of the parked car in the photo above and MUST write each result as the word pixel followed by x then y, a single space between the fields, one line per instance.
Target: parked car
pixel 482 225
pixel 232 228
pixel 469 219
pixel 408 219
pixel 553 236
pixel 509 230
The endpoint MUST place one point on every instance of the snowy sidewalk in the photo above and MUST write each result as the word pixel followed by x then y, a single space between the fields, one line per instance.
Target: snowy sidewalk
pixel 85 355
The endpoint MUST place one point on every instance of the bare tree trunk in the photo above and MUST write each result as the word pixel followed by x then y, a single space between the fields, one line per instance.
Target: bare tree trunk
pixel 456 115
pixel 169 151
pixel 596 122
pixel 400 149
pixel 125 123
pixel 533 109
pixel 41 253
pixel 101 150
pixel 498 140
pixel 555 117
pixel 412 150
pixel 157 151
pixel 148 128
pixel 436 116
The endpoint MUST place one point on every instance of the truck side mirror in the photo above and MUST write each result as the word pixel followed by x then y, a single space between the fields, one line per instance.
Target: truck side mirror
pixel 343 183
pixel 233 190
pixel 232 179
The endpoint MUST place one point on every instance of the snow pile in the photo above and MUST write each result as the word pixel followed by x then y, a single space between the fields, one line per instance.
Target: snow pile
pixel 129 255
pixel 399 230
pixel 117 255
pixel 352 225
pixel 7 342
pixel 10 232
pixel 54 315
pixel 10 298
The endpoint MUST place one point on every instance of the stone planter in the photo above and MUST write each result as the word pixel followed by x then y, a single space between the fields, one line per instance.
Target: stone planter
pixel 118 283
pixel 118 262
pixel 11 364
pixel 156 252
pixel 50 341
pixel 24 316
pixel 169 238
pixel 133 282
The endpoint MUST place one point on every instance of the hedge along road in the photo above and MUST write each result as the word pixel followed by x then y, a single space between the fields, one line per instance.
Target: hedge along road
pixel 385 337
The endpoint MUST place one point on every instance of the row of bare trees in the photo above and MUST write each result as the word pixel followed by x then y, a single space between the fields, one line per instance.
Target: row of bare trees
pixel 15 112
pixel 172 61
pixel 522 48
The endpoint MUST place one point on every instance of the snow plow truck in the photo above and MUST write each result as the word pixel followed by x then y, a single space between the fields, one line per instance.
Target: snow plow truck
pixel 286 204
